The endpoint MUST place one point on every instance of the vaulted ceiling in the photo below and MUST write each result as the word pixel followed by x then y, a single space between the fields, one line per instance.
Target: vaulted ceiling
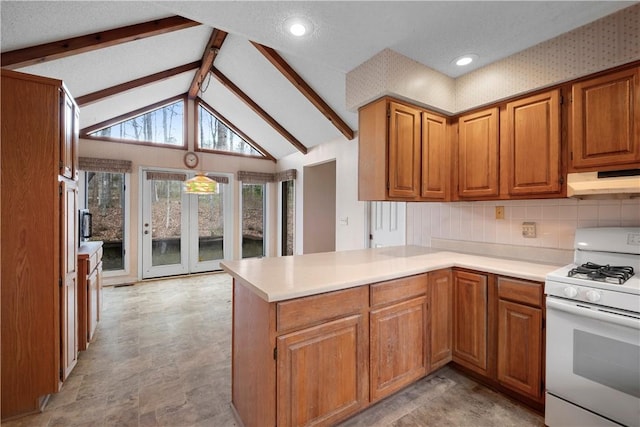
pixel 298 96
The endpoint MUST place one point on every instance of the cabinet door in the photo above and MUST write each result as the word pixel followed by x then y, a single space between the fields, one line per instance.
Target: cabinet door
pixel 605 129
pixel 69 277
pixel 533 144
pixel 322 373
pixel 404 151
pixel 67 137
pixel 441 329
pixel 478 154
pixel 470 320
pixel 435 166
pixel 398 346
pixel 520 348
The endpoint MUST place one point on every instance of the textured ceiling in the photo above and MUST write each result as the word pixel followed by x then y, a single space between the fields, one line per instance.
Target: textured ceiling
pixel 345 34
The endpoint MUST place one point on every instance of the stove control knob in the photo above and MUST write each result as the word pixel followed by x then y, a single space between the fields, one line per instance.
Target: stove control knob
pixel 593 296
pixel 570 292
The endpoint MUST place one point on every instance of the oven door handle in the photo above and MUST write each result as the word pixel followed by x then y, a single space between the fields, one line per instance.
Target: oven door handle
pixel 597 314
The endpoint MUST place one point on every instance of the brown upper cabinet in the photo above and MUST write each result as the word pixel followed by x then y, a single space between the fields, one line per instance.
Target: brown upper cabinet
pixel 402 154
pixel 404 151
pixel 605 122
pixel 69 130
pixel 478 155
pixel 435 157
pixel 532 161
pixel 518 148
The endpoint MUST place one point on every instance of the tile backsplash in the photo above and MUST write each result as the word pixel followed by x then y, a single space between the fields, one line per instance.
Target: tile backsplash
pixel 556 220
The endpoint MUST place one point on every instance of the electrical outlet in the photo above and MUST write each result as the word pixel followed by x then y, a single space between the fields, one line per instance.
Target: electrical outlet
pixel 499 212
pixel 529 230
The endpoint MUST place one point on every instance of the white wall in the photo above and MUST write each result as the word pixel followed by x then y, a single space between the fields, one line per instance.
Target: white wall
pixel 350 234
pixel 319 209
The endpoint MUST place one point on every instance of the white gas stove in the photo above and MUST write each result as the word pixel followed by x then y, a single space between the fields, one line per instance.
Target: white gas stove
pixel 593 331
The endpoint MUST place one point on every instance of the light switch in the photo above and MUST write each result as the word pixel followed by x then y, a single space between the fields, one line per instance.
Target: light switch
pixel 499 212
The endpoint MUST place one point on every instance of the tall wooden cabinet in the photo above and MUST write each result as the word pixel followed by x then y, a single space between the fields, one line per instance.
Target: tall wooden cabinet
pixel 605 122
pixel 39 240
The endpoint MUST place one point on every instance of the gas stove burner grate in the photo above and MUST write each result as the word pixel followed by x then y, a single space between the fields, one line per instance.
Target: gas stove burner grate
pixel 602 273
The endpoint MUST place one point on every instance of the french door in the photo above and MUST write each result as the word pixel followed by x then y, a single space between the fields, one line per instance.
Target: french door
pixel 182 233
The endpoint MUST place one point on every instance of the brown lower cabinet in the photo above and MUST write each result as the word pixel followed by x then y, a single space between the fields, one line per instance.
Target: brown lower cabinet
pixel 89 291
pixel 470 320
pixel 398 334
pixel 441 318
pixel 320 359
pixel 498 335
pixel 520 337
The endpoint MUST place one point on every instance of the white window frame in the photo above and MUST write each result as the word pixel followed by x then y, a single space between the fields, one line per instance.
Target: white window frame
pixel 126 239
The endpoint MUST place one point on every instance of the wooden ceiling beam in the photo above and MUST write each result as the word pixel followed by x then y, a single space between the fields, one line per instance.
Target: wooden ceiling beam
pixel 257 109
pixel 209 55
pixel 62 48
pixel 306 90
pixel 142 81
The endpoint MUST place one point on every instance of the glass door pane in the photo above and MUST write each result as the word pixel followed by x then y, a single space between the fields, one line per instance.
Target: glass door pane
pixel 164 226
pixel 253 202
pixel 207 232
pixel 166 215
pixel 106 203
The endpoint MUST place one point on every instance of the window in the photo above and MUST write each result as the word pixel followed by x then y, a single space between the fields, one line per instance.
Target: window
pixel 288 217
pixel 216 134
pixel 253 220
pixel 160 124
pixel 105 200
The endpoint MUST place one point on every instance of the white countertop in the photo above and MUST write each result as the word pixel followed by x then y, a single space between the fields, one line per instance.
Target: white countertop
pixel 283 278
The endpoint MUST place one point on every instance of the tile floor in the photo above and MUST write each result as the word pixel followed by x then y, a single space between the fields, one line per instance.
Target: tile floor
pixel 162 358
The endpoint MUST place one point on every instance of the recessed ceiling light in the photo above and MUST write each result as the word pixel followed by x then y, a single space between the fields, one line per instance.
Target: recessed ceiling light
pixel 298 26
pixel 297 29
pixel 463 60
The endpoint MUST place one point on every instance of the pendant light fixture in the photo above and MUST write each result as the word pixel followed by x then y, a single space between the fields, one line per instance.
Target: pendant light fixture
pixel 200 184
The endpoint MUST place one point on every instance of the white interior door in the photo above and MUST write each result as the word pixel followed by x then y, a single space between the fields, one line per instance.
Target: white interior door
pixel 165 223
pixel 387 224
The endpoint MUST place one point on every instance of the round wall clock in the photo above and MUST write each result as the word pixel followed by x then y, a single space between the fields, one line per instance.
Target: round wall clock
pixel 191 159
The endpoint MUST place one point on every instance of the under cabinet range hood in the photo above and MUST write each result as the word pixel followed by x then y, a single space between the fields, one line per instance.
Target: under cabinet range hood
pixel 622 184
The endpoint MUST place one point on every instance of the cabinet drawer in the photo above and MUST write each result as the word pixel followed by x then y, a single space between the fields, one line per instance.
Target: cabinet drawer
pixel 398 290
pixel 520 291
pixel 307 311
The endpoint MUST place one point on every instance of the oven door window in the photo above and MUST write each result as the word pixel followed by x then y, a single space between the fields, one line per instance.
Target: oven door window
pixel 592 362
pixel 606 361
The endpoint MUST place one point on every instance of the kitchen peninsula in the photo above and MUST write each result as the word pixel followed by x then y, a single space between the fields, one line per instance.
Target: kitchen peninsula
pixel 319 337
